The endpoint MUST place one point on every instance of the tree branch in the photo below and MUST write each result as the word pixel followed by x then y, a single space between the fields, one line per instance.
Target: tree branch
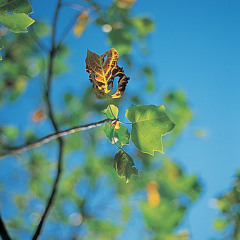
pixel 3 230
pixel 53 136
pixel 52 54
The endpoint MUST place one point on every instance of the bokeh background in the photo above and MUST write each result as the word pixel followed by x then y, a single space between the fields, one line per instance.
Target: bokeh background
pixel 183 54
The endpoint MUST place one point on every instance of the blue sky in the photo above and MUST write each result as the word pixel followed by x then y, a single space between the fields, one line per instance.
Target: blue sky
pixel 195 48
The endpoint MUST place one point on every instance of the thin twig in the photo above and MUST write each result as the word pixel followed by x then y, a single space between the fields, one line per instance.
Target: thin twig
pixel 53 136
pixel 3 231
pixel 52 54
pixel 67 29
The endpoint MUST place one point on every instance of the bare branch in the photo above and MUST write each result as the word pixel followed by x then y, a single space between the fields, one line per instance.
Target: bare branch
pixel 3 231
pixel 52 54
pixel 53 136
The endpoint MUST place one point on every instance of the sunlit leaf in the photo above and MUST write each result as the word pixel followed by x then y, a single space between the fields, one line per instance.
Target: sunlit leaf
pixel 149 124
pixel 111 111
pixel 124 165
pixel 102 73
pixel 16 6
pixel 14 15
pixel 117 135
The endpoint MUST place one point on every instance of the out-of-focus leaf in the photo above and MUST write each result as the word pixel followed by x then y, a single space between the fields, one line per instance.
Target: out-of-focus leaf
pixel 162 218
pixel 38 115
pixel 144 25
pixel 121 39
pixel 124 165
pixel 219 224
pixel 104 229
pixel 81 24
pixel 60 60
pixel 147 70
pixel 10 132
pixel 179 112
pixel 125 3
pixel 154 197
pixel 149 124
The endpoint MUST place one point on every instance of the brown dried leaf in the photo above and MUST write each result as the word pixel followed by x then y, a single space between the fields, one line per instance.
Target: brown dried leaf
pixel 103 72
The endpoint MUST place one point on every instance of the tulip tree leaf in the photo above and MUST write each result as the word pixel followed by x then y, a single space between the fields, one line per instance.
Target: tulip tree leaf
pixel 120 135
pixel 115 132
pixel 124 165
pixel 103 69
pixel 14 15
pixel 16 6
pixel 111 111
pixel 149 124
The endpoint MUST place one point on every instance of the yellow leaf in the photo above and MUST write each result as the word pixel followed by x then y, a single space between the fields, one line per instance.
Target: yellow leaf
pixel 117 126
pixel 38 115
pixel 81 24
pixel 125 3
pixel 154 197
pixel 103 72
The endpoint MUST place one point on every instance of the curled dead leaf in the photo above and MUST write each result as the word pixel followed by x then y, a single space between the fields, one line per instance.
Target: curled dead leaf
pixel 102 73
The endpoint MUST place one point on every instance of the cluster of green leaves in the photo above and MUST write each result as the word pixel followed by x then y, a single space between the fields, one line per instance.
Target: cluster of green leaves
pixel 149 123
pixel 228 204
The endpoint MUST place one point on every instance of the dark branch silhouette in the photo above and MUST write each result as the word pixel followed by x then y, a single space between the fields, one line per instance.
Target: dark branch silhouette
pixel 3 231
pixel 53 136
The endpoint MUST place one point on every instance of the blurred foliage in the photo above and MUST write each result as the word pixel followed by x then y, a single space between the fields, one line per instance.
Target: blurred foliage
pixel 229 206
pixel 21 61
pixel 179 112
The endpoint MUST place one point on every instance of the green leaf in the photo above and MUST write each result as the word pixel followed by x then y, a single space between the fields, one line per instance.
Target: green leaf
pixel 147 70
pixel 144 25
pixel 16 6
pixel 10 132
pixel 14 15
pixel 121 40
pixel 149 124
pixel 17 22
pixel 120 135
pixel 219 224
pixel 124 165
pixel 111 111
